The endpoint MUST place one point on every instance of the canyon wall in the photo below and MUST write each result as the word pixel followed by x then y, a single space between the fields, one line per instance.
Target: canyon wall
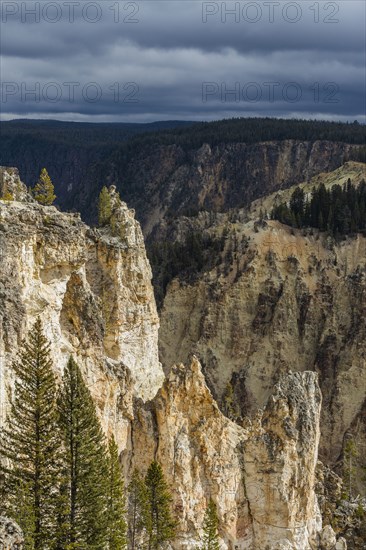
pixel 92 290
pixel 93 293
pixel 278 298
pixel 161 181
pixel 261 474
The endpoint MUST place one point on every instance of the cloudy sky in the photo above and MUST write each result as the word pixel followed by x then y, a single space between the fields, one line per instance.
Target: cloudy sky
pixel 140 61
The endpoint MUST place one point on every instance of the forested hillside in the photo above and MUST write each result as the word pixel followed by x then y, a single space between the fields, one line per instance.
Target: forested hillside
pixel 163 164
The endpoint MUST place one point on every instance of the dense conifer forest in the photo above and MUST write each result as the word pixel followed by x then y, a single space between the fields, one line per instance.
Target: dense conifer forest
pixel 340 210
pixel 127 138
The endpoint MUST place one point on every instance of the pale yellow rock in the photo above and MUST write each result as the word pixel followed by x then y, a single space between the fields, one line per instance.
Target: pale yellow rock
pixel 93 292
pixel 327 538
pixel 261 476
pixel 11 536
pixel 94 295
pixel 278 299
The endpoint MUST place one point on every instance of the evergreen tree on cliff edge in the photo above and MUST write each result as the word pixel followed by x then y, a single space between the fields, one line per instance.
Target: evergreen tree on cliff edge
pixel 86 463
pixel 30 445
pixel 43 191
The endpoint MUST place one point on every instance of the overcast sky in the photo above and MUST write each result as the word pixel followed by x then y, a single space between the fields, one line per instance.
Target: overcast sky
pixel 141 61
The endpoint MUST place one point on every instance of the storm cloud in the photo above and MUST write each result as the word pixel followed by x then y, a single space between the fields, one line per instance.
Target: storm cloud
pixel 148 60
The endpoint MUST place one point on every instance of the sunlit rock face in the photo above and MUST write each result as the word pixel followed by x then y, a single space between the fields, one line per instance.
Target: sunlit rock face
pixel 11 536
pixel 92 290
pixel 260 474
pixel 277 298
pixel 93 293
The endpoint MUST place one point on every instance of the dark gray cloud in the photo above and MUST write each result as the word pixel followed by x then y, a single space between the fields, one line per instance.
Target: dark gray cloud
pixel 150 60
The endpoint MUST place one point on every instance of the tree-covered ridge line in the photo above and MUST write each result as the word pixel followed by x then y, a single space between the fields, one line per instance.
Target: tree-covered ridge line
pixel 80 134
pixel 254 130
pixel 340 210
pixel 187 134
pixel 81 158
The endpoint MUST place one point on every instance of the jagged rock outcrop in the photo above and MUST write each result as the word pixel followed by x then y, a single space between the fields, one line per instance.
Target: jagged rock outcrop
pixel 11 186
pixel 93 292
pixel 92 289
pixel 277 299
pixel 11 536
pixel 261 474
pixel 280 457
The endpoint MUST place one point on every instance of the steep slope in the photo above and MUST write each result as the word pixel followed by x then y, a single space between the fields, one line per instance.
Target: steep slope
pixel 69 150
pixel 167 181
pixel 277 299
pixel 261 475
pixel 92 290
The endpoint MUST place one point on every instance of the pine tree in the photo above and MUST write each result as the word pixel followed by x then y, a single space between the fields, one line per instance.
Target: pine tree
pixel 117 527
pixel 86 463
pixel 30 445
pixel 230 408
pixel 137 503
pixel 104 207
pixel 297 205
pixel 43 191
pixel 350 453
pixel 158 521
pixel 210 528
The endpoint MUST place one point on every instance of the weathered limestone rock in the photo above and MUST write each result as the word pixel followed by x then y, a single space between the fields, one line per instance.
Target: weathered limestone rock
pixel 11 185
pixel 327 538
pixel 280 458
pixel 277 299
pixel 92 289
pixel 11 536
pixel 261 476
pixel 93 293
pixel 341 544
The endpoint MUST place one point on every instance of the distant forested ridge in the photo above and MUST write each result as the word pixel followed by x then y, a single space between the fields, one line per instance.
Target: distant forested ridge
pixel 254 130
pixel 82 133
pixel 166 165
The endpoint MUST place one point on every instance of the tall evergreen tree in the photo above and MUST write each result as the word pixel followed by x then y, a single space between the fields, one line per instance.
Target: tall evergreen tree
pixel 158 521
pixel 86 463
pixel 44 191
pixel 30 444
pixel 297 205
pixel 116 511
pixel 210 528
pixel 104 207
pixel 137 501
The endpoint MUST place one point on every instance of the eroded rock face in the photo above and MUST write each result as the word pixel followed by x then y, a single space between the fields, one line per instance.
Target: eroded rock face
pixel 11 536
pixel 93 293
pixel 221 177
pixel 280 458
pixel 156 179
pixel 11 186
pixel 261 474
pixel 277 299
pixel 92 289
